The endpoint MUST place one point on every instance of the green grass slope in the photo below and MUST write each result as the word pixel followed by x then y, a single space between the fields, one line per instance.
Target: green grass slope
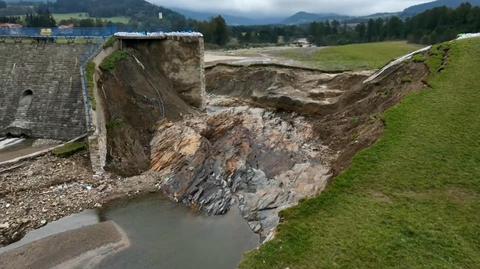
pixel 351 57
pixel 79 16
pixel 410 201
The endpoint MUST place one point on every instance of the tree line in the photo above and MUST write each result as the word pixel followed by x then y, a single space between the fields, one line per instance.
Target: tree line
pixel 42 18
pixel 10 19
pixel 432 26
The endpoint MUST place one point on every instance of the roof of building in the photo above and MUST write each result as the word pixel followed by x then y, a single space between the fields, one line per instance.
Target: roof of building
pixel 10 25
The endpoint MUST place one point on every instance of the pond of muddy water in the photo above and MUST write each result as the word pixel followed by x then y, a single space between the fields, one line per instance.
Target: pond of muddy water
pixel 162 234
pixel 167 235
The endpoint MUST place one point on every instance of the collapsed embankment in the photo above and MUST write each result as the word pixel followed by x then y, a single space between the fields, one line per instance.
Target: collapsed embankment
pixel 274 136
pixel 270 137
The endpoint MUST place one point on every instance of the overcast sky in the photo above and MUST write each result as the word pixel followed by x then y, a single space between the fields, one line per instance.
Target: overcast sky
pixel 275 8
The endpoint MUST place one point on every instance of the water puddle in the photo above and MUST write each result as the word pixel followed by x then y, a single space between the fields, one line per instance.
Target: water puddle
pixel 76 221
pixel 167 235
pixel 162 234
pixel 12 148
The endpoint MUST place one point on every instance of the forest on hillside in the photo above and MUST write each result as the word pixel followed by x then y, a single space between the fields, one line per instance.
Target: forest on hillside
pixel 432 26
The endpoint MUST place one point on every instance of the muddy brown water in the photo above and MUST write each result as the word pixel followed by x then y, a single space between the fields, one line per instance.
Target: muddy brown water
pixel 167 235
pixel 162 234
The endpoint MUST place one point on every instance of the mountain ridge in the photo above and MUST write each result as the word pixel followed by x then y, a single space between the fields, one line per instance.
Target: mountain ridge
pixel 417 9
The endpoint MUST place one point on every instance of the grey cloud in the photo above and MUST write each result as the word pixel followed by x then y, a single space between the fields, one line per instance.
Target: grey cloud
pixel 272 8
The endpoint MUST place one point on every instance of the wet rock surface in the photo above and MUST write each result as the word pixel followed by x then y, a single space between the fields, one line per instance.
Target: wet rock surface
pixel 262 160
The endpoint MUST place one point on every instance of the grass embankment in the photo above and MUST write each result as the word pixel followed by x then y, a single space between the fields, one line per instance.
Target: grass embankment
pixel 69 149
pixel 111 61
pixel 351 57
pixel 410 201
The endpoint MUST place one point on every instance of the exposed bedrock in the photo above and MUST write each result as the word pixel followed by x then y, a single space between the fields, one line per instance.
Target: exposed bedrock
pixel 261 159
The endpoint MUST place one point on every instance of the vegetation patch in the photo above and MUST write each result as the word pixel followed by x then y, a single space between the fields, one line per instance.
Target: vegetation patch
pixel 410 201
pixel 111 61
pixel 351 57
pixel 69 149
pixel 91 84
pixel 437 57
pixel 110 42
pixel 83 17
pixel 114 124
pixel 419 58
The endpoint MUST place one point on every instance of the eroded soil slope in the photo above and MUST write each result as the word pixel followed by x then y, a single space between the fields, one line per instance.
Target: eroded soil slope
pixel 273 136
pixel 136 95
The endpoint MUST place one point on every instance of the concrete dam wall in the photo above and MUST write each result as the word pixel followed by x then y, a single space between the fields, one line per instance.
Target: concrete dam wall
pixel 41 90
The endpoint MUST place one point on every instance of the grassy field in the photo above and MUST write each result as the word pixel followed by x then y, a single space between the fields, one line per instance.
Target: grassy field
pixel 410 201
pixel 350 57
pixel 65 16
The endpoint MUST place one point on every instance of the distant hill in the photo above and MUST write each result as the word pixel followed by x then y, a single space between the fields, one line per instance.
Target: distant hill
pixel 31 1
pixel 305 17
pixel 143 13
pixel 381 15
pixel 417 9
pixel 230 19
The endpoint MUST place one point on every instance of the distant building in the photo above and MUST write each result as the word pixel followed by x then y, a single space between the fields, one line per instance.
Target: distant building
pixel 65 27
pixel 10 26
pixel 46 32
pixel 302 43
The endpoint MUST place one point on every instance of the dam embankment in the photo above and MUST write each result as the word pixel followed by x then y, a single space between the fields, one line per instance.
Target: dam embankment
pixel 41 89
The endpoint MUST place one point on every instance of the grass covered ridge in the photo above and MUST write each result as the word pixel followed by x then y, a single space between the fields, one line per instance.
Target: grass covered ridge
pixel 410 201
pixel 69 149
pixel 111 61
pixel 351 57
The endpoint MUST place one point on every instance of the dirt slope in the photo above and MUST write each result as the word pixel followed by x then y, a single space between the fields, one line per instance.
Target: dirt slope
pixel 136 95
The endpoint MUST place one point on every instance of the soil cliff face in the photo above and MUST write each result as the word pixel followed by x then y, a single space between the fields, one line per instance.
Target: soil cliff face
pixel 142 86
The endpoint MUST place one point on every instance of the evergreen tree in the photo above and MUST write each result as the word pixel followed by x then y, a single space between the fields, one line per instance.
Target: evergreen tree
pixel 220 31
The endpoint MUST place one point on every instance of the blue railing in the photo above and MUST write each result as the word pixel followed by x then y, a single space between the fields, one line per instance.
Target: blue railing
pixel 57 32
